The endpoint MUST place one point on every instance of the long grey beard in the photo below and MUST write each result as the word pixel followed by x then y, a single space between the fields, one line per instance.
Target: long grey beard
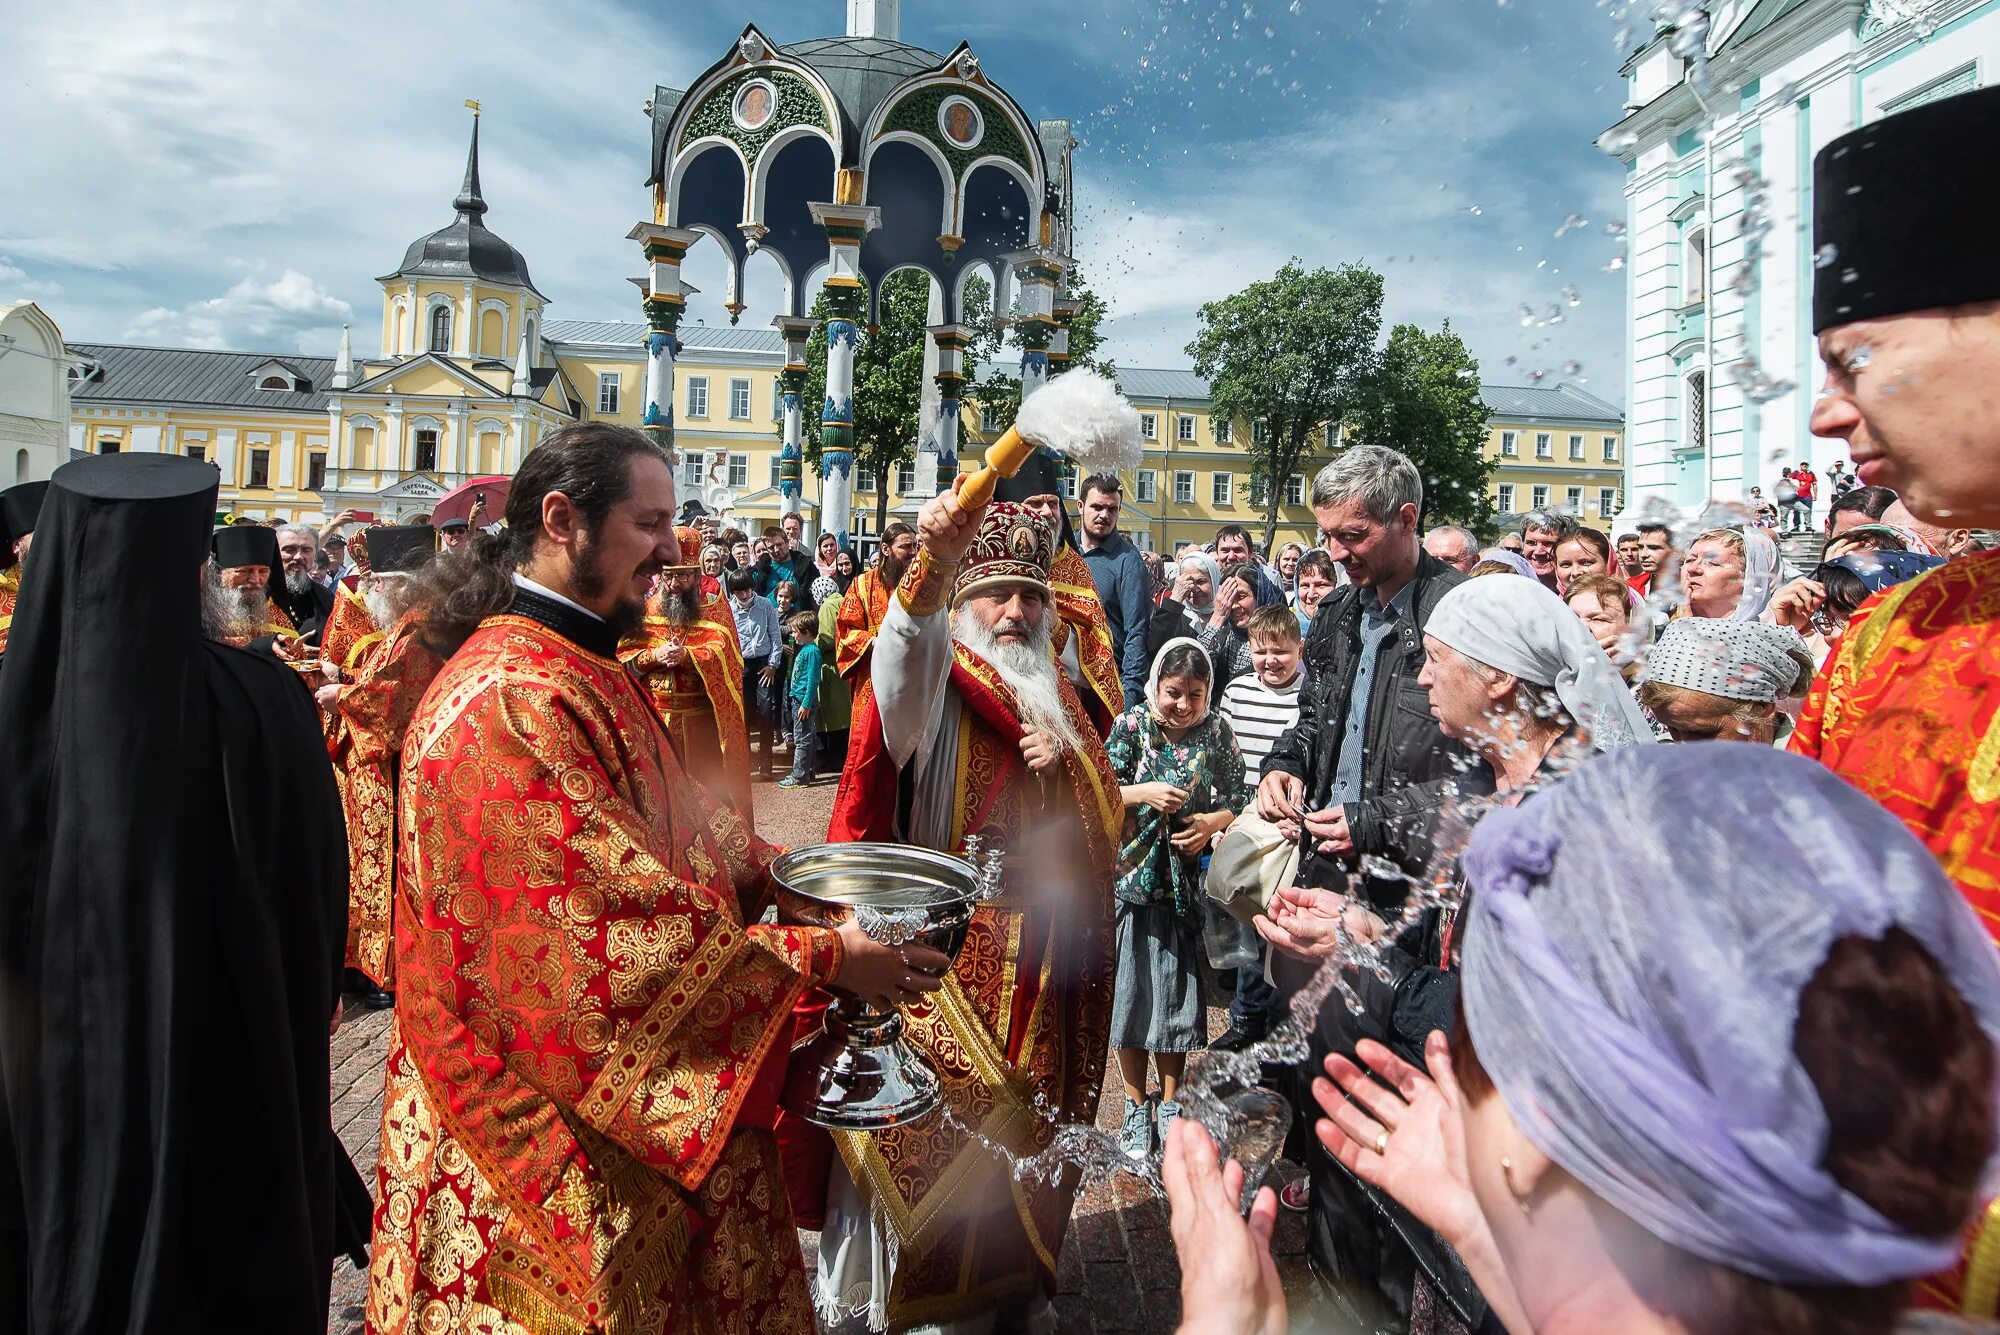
pixel 679 607
pixel 387 597
pixel 231 614
pixel 297 583
pixel 1030 673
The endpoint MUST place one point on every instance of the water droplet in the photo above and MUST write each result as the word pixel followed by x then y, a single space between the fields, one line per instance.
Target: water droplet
pixel 1572 367
pixel 1618 142
pixel 1853 189
pixel 1571 295
pixel 1850 275
pixel 1825 255
pixel 1572 223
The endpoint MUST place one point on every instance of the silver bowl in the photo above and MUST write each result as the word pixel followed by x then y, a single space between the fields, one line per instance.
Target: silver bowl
pixel 859 1073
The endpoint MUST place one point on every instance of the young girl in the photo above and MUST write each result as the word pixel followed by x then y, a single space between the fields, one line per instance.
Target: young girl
pixel 1181 777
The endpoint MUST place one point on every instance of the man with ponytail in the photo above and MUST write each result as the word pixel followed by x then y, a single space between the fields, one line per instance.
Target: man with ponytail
pixel 591 1022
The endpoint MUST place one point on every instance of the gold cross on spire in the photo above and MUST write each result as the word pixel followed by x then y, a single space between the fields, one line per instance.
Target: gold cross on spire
pixel 470 102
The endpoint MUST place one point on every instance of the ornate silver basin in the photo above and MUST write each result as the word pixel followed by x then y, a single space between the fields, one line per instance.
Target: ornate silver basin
pixel 859 1073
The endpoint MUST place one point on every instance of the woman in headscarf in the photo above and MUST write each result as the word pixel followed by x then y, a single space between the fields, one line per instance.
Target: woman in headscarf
pixel 1709 680
pixel 1517 677
pixel 844 569
pixel 1818 605
pixel 1673 1105
pixel 1192 603
pixel 1730 574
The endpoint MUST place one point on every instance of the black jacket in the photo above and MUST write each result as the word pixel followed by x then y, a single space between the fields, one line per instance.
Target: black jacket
pixel 1408 766
pixel 797 566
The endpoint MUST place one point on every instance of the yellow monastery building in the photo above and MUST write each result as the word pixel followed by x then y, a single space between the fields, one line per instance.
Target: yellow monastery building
pixel 471 373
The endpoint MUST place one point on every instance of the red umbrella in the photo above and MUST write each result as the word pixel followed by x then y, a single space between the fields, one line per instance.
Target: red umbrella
pixel 457 503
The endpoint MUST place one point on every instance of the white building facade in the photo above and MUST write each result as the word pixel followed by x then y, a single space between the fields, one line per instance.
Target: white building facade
pixel 34 394
pixel 1713 337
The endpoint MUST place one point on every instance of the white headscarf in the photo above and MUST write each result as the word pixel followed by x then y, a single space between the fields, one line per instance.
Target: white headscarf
pixel 1153 677
pixel 1761 568
pixel 1523 629
pixel 1198 616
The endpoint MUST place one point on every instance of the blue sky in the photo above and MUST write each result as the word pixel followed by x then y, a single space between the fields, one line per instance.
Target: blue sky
pixel 236 175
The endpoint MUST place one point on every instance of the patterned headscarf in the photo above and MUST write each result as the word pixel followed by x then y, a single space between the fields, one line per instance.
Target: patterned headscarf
pixel 825 589
pixel 1737 660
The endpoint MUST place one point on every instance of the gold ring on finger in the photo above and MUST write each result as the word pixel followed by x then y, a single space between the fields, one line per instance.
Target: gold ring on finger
pixel 1382 1142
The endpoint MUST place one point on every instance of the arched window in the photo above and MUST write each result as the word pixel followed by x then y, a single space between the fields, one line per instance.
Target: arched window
pixel 274 382
pixel 440 329
pixel 1694 266
pixel 1696 436
pixel 20 465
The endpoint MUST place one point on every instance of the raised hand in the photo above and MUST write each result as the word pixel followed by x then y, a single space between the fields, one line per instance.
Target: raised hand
pixel 1229 1283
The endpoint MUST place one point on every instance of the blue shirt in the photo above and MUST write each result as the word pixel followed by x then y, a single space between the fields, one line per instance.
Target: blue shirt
pixel 1378 627
pixel 805 676
pixel 756 627
pixel 1126 591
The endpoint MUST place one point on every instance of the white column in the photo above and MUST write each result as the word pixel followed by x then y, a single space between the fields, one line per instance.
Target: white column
pixel 1040 271
pixel 847 223
pixel 791 459
pixel 665 248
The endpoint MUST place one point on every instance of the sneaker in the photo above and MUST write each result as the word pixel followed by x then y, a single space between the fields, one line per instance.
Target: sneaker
pixel 789 782
pixel 1296 1196
pixel 1166 1111
pixel 1135 1136
pixel 1240 1035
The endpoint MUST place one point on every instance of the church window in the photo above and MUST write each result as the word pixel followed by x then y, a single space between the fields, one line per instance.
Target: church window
pixel 274 382
pixel 440 329
pixel 697 404
pixel 260 470
pixel 739 400
pixel 1694 267
pixel 739 470
pixel 427 450
pixel 607 392
pixel 315 471
pixel 1697 410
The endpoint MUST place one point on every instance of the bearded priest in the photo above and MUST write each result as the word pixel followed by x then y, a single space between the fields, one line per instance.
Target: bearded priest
pixel 968 727
pixel 866 600
pixel 687 654
pixel 591 1024
pixel 390 669
pixel 241 607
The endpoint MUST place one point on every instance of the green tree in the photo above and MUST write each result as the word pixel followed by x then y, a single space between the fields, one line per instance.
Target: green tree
pixel 1424 400
pixel 1000 390
pixel 1292 353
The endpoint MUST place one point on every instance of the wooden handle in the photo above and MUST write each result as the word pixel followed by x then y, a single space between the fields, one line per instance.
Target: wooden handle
pixel 1004 458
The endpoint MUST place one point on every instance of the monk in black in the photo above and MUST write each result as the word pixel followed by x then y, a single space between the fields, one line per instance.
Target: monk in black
pixel 172 876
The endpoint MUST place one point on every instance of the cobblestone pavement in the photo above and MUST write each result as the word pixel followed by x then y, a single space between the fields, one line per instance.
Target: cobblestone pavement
pixel 1117 1270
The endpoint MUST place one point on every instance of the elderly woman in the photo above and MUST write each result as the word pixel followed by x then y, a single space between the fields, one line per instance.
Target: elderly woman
pixel 714 560
pixel 1730 574
pixel 1722 680
pixel 1509 561
pixel 1660 1112
pixel 1514 675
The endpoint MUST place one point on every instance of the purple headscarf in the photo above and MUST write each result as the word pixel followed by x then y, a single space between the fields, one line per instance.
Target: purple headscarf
pixel 1517 562
pixel 1632 987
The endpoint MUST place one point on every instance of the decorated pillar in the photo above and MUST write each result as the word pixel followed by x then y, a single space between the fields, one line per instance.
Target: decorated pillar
pixel 795 330
pixel 1040 271
pixel 665 248
pixel 847 222
pixel 949 341
pixel 1065 311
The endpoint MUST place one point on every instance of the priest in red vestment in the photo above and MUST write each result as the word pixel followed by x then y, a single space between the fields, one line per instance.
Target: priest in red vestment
pixel 591 1022
pixel 866 599
pixel 366 719
pixel 1908 321
pixel 1082 633
pixel 687 654
pixel 967 727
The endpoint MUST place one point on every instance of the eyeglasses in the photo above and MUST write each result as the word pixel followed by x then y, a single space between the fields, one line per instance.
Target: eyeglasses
pixel 1829 623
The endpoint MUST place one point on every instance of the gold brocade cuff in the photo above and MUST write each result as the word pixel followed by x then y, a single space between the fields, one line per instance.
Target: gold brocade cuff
pixel 926 585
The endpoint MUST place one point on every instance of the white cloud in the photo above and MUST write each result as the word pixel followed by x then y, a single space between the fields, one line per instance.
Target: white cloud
pixel 291 311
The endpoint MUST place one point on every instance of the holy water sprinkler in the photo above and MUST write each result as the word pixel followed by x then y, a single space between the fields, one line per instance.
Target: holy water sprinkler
pixel 1079 415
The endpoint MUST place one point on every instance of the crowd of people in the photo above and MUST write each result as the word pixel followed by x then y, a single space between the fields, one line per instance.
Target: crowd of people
pixel 1657 877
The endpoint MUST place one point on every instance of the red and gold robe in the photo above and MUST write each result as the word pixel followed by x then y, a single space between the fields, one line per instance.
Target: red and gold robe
pixel 349 632
pixel 861 611
pixel 589 1042
pixel 1906 710
pixel 1024 1013
pixel 273 623
pixel 365 742
pixel 1082 614
pixel 10 589
pixel 701 701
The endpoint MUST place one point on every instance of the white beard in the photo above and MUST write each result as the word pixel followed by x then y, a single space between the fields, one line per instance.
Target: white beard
pixel 231 613
pixel 297 582
pixel 387 597
pixel 1030 673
